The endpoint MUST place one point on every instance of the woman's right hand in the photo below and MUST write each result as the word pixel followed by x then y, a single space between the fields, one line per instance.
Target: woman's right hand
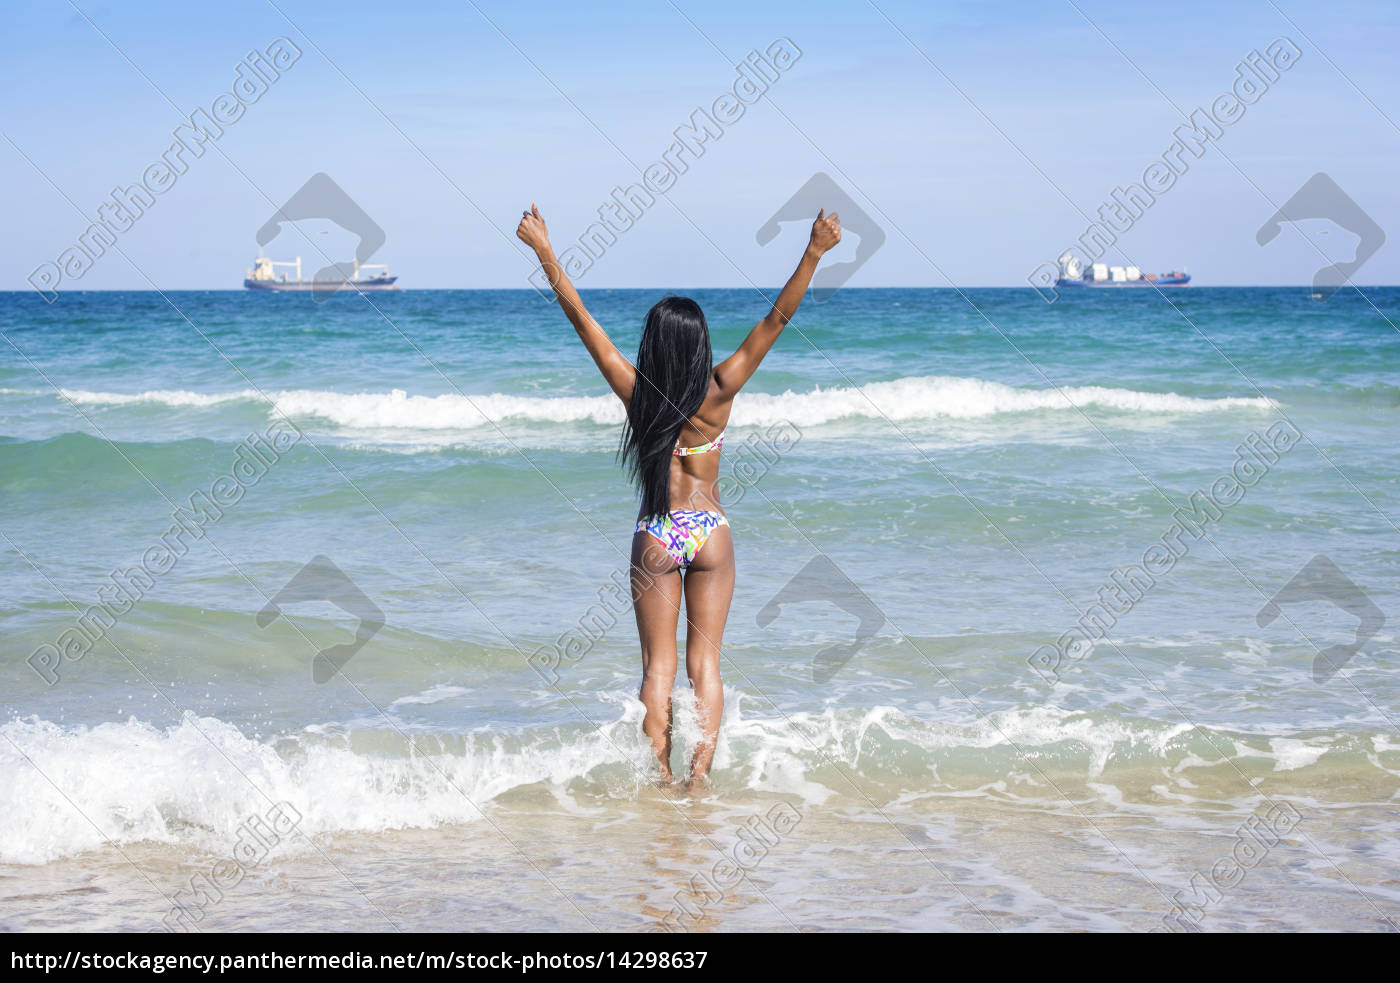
pixel 532 230
pixel 826 231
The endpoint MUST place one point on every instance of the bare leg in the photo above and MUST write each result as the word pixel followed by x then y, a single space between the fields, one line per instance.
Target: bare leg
pixel 709 587
pixel 656 596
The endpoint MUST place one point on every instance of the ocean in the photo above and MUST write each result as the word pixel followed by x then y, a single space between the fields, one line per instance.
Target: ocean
pixel 1071 616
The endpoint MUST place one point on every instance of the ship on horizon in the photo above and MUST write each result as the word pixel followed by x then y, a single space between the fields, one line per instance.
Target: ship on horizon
pixel 264 276
pixel 1074 274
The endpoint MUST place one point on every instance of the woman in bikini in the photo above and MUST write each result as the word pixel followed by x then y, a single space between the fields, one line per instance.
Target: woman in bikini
pixel 678 403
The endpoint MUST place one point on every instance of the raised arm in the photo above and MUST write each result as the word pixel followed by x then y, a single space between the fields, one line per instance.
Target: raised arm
pixel 619 373
pixel 737 369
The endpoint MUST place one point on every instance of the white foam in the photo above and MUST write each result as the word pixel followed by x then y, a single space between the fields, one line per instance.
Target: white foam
pixel 74 789
pixel 908 399
pixel 934 397
pixel 397 410
pixel 71 789
pixel 165 397
pixel 1291 754
pixel 435 694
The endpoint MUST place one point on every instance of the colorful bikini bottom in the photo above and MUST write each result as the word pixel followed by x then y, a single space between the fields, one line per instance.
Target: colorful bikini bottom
pixel 683 531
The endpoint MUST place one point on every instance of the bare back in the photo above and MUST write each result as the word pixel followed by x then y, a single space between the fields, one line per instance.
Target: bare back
pixel 695 477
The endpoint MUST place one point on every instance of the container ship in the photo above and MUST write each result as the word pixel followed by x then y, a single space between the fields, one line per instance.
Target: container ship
pixel 264 276
pixel 1072 274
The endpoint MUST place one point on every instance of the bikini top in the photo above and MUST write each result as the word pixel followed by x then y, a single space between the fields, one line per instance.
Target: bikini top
pixel 713 445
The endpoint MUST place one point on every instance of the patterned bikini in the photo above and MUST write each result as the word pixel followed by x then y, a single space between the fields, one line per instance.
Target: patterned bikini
pixel 682 532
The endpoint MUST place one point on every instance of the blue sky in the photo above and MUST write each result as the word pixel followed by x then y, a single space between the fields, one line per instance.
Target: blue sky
pixel 556 102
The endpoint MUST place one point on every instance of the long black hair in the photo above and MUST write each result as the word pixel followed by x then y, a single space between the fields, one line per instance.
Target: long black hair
pixel 674 365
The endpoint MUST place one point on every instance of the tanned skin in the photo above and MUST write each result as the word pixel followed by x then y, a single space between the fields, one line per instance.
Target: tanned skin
pixel 708 583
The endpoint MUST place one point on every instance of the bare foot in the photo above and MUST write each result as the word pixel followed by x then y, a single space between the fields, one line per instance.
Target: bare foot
pixel 697 786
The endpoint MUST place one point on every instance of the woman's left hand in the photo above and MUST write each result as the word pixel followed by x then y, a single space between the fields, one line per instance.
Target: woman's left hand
pixel 532 230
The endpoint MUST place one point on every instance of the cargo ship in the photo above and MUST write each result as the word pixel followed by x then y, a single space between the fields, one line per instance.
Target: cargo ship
pixel 264 276
pixel 1072 274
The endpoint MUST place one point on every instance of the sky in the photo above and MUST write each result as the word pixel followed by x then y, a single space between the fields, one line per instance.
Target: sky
pixel 980 138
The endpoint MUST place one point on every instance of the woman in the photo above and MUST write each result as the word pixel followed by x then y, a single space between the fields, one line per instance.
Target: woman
pixel 678 402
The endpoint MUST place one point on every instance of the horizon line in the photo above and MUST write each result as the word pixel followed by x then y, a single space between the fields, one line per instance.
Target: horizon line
pixel 985 286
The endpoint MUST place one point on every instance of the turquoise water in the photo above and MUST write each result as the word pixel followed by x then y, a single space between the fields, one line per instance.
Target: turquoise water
pixel 975 466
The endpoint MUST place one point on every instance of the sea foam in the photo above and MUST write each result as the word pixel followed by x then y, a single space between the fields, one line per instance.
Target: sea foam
pixel 908 399
pixel 194 782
